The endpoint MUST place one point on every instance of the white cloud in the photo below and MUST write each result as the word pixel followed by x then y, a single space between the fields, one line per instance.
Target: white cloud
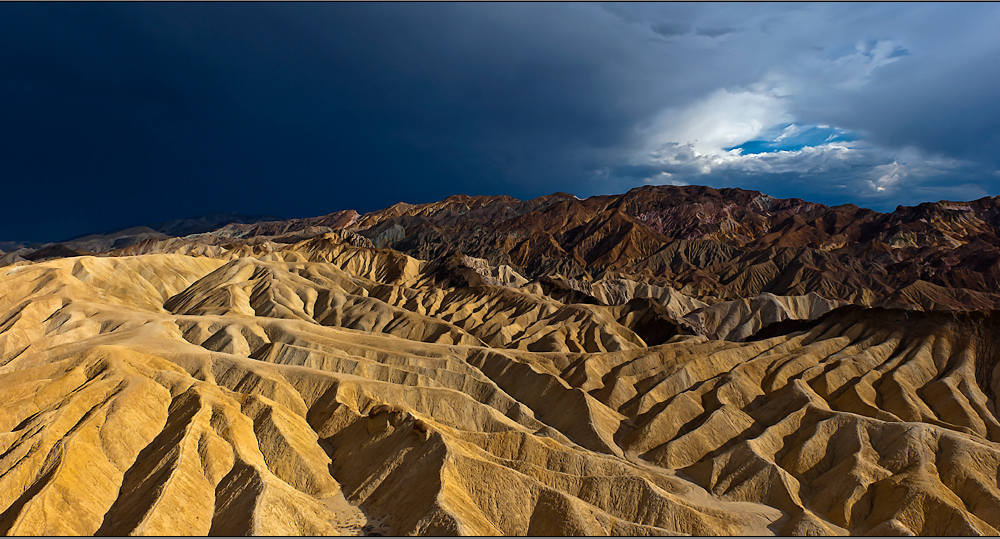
pixel 723 119
pixel 663 178
pixel 728 117
pixel 852 71
pixel 887 176
pixel 871 172
pixel 688 144
pixel 789 131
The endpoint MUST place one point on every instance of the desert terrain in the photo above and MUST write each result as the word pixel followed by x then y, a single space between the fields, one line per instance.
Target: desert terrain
pixel 673 360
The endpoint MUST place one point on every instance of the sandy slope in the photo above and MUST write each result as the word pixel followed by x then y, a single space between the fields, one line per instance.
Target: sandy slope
pixel 327 387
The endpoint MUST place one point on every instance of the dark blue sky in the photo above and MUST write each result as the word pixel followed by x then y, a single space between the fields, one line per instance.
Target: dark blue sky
pixel 121 114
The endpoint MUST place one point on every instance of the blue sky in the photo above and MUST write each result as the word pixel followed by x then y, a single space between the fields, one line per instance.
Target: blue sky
pixel 121 114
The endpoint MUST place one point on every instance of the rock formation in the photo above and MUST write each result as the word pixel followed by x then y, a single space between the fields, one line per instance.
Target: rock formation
pixel 667 361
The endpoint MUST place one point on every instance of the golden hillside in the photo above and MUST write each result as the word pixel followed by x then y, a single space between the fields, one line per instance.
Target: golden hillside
pixel 328 387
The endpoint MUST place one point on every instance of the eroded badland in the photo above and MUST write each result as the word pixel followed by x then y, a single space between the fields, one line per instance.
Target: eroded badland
pixel 668 361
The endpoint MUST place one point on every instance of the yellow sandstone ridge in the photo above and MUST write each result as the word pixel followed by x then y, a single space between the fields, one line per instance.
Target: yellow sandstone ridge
pixel 331 388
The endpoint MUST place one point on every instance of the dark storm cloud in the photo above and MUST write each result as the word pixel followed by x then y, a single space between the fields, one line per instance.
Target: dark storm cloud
pixel 715 32
pixel 120 114
pixel 146 111
pixel 671 29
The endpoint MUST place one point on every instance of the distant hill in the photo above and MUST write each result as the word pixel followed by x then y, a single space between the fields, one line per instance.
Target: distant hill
pixel 711 244
pixel 117 239
pixel 207 223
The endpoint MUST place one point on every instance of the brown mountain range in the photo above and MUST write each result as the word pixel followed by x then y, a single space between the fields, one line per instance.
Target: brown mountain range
pixel 710 244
